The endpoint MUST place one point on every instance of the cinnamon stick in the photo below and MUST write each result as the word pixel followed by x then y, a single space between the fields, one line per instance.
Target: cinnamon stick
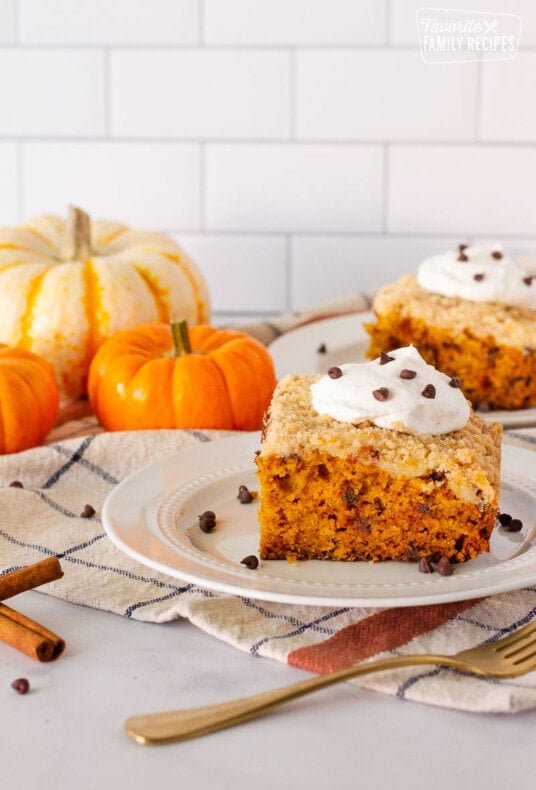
pixel 15 582
pixel 28 636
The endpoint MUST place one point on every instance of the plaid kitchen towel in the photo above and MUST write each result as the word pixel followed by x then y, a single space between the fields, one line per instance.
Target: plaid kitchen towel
pixel 44 518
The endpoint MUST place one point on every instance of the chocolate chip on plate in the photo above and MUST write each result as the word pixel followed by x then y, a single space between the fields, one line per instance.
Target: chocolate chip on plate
pixel 88 511
pixel 244 495
pixel 207 521
pixel 444 567
pixel 425 566
pixel 251 562
pixel 516 525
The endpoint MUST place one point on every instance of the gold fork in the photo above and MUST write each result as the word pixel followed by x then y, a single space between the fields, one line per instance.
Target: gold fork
pixel 512 655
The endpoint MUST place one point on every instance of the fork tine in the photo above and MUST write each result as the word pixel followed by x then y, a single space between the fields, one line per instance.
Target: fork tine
pixel 519 647
pixel 527 657
pixel 516 637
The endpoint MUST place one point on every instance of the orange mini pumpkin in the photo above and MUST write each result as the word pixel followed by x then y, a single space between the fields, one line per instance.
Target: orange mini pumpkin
pixel 29 399
pixel 161 376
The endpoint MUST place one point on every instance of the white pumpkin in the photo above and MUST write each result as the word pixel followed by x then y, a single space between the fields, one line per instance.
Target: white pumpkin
pixel 65 287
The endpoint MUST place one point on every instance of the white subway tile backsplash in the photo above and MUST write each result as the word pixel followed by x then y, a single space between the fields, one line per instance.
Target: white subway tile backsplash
pixel 328 267
pixel 381 95
pixel 294 22
pixel 298 149
pixel 7 22
pixel 51 93
pixel 294 187
pixel 202 94
pixel 109 21
pixel 148 185
pixel 403 16
pixel 507 105
pixel 462 189
pixel 9 183
pixel 241 270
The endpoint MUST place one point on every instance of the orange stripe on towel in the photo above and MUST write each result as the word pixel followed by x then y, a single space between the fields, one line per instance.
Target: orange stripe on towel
pixel 385 630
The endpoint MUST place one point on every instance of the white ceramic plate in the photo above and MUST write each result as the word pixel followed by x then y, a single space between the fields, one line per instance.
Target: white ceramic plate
pixel 346 340
pixel 152 516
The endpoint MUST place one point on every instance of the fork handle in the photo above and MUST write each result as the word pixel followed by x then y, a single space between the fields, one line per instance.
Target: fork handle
pixel 179 725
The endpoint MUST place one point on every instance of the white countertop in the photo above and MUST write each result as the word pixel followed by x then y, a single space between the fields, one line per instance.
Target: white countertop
pixel 67 732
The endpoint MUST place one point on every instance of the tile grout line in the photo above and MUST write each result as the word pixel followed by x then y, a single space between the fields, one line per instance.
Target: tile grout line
pixel 202 187
pixel 479 103
pixel 107 93
pixel 386 187
pixel 21 203
pixel 201 35
pixel 16 22
pixel 288 284
pixel 387 31
pixel 146 140
pixel 293 89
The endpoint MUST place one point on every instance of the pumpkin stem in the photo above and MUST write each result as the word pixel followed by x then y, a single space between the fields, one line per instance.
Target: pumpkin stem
pixel 76 243
pixel 181 338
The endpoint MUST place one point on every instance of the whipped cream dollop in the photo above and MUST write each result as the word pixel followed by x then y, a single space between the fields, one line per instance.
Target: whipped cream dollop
pixel 398 390
pixel 479 274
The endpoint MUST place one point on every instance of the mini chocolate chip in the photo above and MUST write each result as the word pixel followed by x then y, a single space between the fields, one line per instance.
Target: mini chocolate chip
pixel 516 525
pixel 425 566
pixel 462 247
pixel 322 349
pixel 16 484
pixel 334 373
pixel 456 383
pixel 504 519
pixel 478 277
pixel 207 521
pixel 444 567
pixel 385 358
pixel 87 512
pixel 381 394
pixel 429 391
pixel 497 254
pixel 244 495
pixel 528 280
pixel 463 257
pixel 250 562
pixel 407 374
pixel 21 685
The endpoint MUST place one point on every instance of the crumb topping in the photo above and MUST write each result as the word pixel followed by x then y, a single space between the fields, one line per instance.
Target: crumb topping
pixel 467 456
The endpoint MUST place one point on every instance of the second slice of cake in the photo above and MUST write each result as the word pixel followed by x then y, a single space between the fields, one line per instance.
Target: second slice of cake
pixel 375 461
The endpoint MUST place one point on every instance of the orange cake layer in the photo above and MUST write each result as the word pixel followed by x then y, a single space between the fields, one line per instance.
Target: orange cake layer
pixel 337 491
pixel 490 347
